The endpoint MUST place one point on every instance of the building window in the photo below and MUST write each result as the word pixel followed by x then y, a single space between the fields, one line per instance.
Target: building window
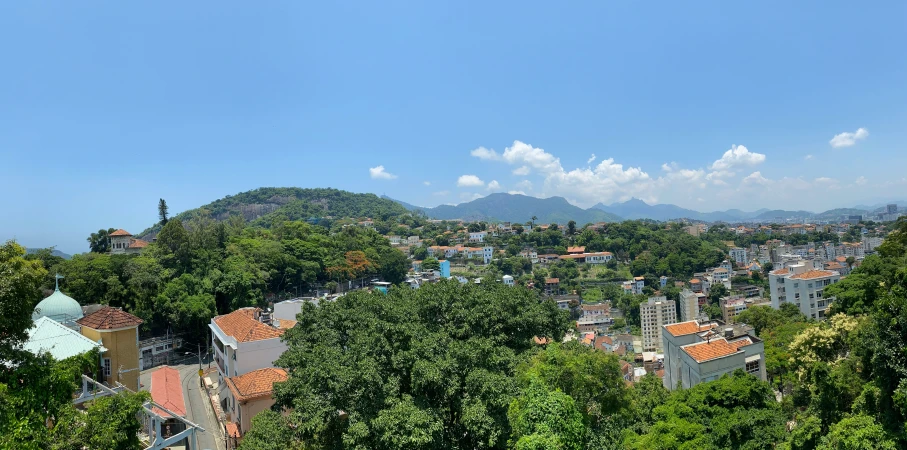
pixel 752 367
pixel 105 366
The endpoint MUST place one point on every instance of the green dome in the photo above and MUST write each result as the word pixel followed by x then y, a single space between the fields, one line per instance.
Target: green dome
pixel 59 307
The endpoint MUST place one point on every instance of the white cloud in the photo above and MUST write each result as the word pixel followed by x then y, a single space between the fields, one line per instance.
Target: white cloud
pixel 427 183
pixel 484 153
pixel 825 180
pixel 441 193
pixel 525 184
pixel 861 180
pixel 536 158
pixel 522 170
pixel 847 139
pixel 516 192
pixel 737 156
pixel 591 159
pixel 494 186
pixel 808 157
pixel 469 196
pixel 378 173
pixel 469 181
pixel 756 178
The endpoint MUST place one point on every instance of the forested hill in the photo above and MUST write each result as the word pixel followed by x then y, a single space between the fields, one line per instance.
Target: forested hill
pixel 264 205
pixel 518 208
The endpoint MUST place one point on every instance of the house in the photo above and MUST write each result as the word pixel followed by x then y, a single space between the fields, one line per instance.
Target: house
pixel 552 286
pixel 575 250
pixel 596 309
pixel 738 255
pixel 638 284
pixel 563 303
pixel 250 394
pixel 508 280
pixel 696 285
pixel 478 236
pixel 720 275
pixel 803 286
pixel 444 268
pixel 604 343
pixel 49 336
pixel 118 332
pixel 598 257
pixel 696 352
pixel 122 242
pixel 167 391
pixel 653 315
pixel 394 240
pixel 243 341
pixel 414 241
pixel 662 281
pixel 593 323
pixel 626 370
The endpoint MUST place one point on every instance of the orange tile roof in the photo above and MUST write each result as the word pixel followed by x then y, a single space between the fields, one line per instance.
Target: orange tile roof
pixel 811 274
pixel 715 348
pixel 541 340
pixel 138 243
pixel 780 272
pixel 255 384
pixel 576 249
pixel 120 232
pixel 841 259
pixel 552 280
pixel 689 327
pixel 694 281
pixel 286 324
pixel 167 391
pixel 108 318
pixel 232 430
pixel 242 326
pixel 639 278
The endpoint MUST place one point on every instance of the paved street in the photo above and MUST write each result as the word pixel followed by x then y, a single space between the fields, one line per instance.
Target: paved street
pixel 198 408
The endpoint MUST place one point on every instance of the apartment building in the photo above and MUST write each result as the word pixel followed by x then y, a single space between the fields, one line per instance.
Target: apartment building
pixel 653 315
pixel 803 286
pixel 738 255
pixel 691 304
pixel 243 341
pixel 697 352
pixel 732 306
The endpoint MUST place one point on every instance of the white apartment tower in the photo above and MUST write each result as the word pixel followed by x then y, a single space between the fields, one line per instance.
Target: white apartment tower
pixel 803 286
pixel 653 315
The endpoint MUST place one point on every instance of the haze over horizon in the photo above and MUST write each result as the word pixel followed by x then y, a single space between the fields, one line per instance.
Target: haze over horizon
pixel 709 106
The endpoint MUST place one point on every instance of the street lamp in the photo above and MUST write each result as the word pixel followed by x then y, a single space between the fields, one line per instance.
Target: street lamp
pixel 200 370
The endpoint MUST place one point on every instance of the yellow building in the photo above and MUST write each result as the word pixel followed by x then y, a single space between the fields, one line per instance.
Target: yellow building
pixel 118 331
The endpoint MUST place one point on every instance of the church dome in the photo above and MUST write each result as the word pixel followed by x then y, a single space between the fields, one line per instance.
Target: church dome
pixel 59 307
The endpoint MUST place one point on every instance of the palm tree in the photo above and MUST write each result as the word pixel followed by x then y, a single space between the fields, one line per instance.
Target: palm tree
pixel 534 218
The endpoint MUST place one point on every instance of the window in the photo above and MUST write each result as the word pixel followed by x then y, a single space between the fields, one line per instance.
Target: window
pixel 105 366
pixel 752 367
pixel 810 285
pixel 796 285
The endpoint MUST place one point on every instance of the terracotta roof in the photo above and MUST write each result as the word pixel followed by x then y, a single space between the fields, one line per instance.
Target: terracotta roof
pixel 108 318
pixel 232 430
pixel 120 232
pixel 167 391
pixel 552 280
pixel 780 272
pixel 138 243
pixel 660 373
pixel 573 256
pixel 541 340
pixel 715 348
pixel 576 249
pixel 809 275
pixel 639 278
pixel 286 324
pixel 694 281
pixel 604 340
pixel 841 259
pixel 689 327
pixel 243 327
pixel 255 384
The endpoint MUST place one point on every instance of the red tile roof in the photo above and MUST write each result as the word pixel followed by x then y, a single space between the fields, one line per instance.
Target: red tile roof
pixel 120 232
pixel 167 391
pixel 286 324
pixel 255 384
pixel 232 430
pixel 138 243
pixel 694 281
pixel 576 249
pixel 243 327
pixel 811 274
pixel 108 318
pixel 708 350
pixel 685 328
pixel 780 272
pixel 552 280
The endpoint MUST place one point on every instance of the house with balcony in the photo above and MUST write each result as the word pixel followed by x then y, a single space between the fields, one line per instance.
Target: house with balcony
pixel 696 352
pixel 244 340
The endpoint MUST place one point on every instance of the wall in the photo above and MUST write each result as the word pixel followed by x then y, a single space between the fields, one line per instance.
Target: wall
pixel 249 409
pixel 122 350
pixel 257 355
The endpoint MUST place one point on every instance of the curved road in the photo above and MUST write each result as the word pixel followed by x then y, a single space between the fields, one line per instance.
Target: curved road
pixel 198 407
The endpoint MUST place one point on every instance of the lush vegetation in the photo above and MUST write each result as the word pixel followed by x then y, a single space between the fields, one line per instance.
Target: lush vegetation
pixel 36 410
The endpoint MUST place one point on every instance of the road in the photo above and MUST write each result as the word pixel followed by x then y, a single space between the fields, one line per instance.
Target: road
pixel 198 407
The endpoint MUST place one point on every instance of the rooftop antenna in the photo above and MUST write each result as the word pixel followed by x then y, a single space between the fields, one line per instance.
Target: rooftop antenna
pixel 57 279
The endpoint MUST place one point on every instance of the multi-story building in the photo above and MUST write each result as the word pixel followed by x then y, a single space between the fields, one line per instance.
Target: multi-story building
pixel 638 284
pixel 478 236
pixel 122 242
pixel 803 286
pixel 697 352
pixel 738 255
pixel 691 304
pixel 118 332
pixel 871 243
pixel 654 314
pixel 243 341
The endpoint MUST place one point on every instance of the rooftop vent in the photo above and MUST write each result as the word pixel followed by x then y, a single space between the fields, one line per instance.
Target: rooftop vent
pixel 728 332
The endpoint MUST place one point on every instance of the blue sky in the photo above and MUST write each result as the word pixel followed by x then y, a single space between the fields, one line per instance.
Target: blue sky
pixel 108 107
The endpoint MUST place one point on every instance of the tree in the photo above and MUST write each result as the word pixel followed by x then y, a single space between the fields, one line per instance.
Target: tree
pixel 425 368
pixel 430 263
pixel 19 282
pixel 420 253
pixel 857 433
pixel 571 228
pixel 100 242
pixel 534 218
pixel 162 211
pixel 546 419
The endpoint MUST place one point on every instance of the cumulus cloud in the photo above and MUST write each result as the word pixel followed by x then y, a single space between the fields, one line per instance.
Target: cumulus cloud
pixel 525 184
pixel 484 153
pixel 378 173
pixel 427 183
pixel 493 186
pixel 522 170
pixel 516 192
pixel 861 180
pixel 847 139
pixel 469 181
pixel 808 157
pixel 737 156
pixel 536 158
pixel 755 178
pixel 591 159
